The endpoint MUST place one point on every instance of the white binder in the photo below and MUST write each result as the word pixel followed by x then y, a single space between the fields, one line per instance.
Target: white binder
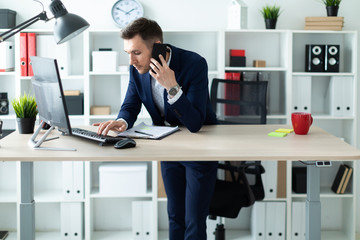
pixel 76 221
pixel 270 179
pixel 7 54
pixel 280 215
pixel 71 221
pixel 258 221
pixel 347 96
pixel 298 221
pixel 146 220
pixel 137 209
pixel 78 180
pixel 65 228
pixel 73 180
pixel 270 221
pixel 301 91
pixel 67 172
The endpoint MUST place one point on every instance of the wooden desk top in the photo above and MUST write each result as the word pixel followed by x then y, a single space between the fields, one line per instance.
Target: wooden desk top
pixel 218 142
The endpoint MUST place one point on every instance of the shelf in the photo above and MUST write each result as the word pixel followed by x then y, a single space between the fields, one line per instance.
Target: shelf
pixel 47 235
pixel 112 116
pixel 8 196
pixel 325 192
pixel 257 69
pixel 276 116
pixel 48 196
pixel 322 74
pixel 11 73
pixel 67 77
pixel 96 194
pixel 333 235
pixel 111 235
pixel 6 117
pixel 108 73
pixel 329 117
pixel 238 235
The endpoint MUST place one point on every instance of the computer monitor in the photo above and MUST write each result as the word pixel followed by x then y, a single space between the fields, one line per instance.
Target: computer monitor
pixel 49 97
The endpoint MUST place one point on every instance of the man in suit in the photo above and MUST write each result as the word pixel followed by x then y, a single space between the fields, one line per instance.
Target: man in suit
pixel 174 92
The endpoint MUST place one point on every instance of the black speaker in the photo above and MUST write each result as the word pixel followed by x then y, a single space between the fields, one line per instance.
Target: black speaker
pixel 4 104
pixel 314 59
pixel 332 56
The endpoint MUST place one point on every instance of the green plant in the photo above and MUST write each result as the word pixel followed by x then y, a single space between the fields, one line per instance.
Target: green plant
pixel 25 106
pixel 271 12
pixel 330 3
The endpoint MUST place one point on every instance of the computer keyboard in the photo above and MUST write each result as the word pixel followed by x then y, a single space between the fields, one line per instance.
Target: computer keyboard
pixel 94 136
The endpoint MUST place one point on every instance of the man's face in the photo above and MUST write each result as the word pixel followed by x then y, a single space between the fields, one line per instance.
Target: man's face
pixel 139 53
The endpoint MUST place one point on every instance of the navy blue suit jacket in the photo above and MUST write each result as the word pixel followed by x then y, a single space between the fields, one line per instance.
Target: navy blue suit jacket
pixel 193 109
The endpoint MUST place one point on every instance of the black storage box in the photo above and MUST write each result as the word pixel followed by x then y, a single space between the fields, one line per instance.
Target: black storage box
pixel 7 18
pixel 75 104
pixel 236 61
pixel 299 179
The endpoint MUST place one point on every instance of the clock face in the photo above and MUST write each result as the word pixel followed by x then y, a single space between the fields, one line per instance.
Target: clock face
pixel 125 11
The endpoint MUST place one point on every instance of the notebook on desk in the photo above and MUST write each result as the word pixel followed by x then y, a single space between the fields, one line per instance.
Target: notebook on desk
pixel 148 131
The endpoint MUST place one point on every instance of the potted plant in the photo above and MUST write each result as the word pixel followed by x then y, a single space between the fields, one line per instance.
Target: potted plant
pixel 270 14
pixel 26 110
pixel 332 7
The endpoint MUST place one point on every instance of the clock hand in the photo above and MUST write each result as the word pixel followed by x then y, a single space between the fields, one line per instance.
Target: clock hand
pixel 121 10
pixel 127 13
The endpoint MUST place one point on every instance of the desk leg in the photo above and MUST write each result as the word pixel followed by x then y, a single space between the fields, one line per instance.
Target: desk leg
pixel 26 208
pixel 313 206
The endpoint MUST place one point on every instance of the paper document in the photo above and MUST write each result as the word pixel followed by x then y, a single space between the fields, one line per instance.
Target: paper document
pixel 148 131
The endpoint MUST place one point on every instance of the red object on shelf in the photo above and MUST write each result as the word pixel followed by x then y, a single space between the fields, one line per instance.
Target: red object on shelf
pixel 23 54
pixel 31 51
pixel 232 92
pixel 237 52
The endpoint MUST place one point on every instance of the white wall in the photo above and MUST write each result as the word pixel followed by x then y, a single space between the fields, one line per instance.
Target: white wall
pixel 194 14
pixel 208 14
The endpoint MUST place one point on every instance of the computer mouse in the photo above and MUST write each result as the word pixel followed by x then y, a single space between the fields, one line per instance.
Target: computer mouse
pixel 125 143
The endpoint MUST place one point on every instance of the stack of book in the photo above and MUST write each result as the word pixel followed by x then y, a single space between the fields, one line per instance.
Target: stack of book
pixel 324 23
pixel 342 178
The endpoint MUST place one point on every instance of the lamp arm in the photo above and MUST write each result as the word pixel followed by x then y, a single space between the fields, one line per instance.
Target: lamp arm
pixel 21 26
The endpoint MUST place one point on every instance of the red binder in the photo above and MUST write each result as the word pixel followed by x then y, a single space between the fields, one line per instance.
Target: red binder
pixel 232 92
pixel 228 94
pixel 23 54
pixel 236 94
pixel 31 51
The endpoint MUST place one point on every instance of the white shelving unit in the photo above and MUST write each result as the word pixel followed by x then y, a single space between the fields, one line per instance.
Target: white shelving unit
pixel 108 216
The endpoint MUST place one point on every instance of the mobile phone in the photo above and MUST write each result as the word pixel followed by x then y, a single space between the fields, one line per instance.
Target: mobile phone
pixel 158 49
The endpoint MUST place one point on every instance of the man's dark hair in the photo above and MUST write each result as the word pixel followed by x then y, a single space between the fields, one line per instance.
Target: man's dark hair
pixel 148 30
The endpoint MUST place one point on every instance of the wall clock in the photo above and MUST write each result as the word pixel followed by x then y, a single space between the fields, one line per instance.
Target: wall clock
pixel 125 11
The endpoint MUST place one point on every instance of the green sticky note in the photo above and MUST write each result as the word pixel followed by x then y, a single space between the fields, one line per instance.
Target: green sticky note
pixel 277 134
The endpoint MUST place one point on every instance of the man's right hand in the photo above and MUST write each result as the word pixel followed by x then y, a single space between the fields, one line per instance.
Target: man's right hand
pixel 105 127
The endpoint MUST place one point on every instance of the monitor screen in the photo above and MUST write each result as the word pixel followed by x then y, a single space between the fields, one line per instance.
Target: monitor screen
pixel 49 93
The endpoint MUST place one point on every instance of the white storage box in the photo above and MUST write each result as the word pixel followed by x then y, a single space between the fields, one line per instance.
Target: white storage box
pixel 123 178
pixel 7 62
pixel 104 61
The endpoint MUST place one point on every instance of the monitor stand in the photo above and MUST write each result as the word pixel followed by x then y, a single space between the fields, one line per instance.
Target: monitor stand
pixel 37 144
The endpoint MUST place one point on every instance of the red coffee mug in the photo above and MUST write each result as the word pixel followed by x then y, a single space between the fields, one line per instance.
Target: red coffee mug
pixel 301 122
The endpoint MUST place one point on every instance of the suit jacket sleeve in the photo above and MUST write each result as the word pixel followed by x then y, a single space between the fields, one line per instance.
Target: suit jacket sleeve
pixel 132 103
pixel 191 107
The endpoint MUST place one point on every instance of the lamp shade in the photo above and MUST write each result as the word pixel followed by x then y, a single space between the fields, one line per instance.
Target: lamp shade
pixel 68 26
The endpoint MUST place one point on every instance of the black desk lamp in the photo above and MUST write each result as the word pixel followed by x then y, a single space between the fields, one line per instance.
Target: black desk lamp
pixel 67 25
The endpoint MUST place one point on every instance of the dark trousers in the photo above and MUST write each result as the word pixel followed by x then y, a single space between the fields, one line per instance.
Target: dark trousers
pixel 189 188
